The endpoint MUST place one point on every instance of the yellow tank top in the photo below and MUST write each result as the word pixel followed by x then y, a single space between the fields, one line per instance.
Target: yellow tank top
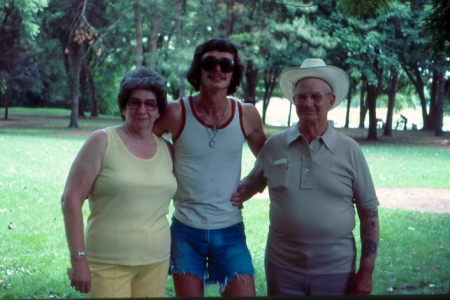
pixel 129 203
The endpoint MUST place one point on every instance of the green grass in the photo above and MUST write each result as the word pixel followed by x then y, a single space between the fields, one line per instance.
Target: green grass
pixel 408 166
pixel 414 252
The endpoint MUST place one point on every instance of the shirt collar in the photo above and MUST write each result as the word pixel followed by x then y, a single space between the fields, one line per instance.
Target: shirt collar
pixel 329 137
pixel 292 133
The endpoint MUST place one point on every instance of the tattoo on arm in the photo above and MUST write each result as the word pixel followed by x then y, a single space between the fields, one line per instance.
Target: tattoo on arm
pixel 368 228
pixel 368 248
pixel 373 213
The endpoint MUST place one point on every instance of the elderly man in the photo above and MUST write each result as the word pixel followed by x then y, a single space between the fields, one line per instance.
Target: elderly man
pixel 315 177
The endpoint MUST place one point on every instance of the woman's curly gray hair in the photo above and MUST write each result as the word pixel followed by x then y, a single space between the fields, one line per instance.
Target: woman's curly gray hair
pixel 146 79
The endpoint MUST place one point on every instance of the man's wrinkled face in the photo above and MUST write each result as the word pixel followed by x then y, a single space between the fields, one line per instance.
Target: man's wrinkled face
pixel 314 107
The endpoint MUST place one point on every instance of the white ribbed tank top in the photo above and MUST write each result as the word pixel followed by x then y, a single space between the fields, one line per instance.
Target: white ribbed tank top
pixel 207 176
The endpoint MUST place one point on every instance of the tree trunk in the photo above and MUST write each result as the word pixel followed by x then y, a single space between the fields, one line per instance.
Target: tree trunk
pixel 66 62
pixel 153 44
pixel 82 101
pixel 270 79
pixel 251 80
pixel 392 91
pixel 72 55
pixel 433 100
pixel 363 103
pixel 349 103
pixel 12 68
pixel 138 25
pixel 372 105
pixel 230 18
pixel 94 104
pixel 372 92
pixel 439 119
pixel 289 116
pixel 7 102
pixel 74 81
pixel 415 77
pixel 181 73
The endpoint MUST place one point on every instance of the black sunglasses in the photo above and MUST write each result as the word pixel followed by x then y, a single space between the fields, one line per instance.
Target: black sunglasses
pixel 209 63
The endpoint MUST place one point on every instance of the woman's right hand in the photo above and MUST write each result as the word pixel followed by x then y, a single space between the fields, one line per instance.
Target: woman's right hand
pixel 79 274
pixel 81 179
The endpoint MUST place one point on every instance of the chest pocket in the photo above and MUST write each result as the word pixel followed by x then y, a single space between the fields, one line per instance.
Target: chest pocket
pixel 279 173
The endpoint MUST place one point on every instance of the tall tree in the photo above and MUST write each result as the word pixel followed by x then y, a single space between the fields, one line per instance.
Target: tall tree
pixel 138 25
pixel 392 91
pixel 434 23
pixel 70 29
pixel 10 32
pixel 178 15
pixel 417 60
pixel 18 27
pixel 153 42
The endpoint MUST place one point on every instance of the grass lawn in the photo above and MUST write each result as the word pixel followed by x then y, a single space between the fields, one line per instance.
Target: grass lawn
pixel 36 154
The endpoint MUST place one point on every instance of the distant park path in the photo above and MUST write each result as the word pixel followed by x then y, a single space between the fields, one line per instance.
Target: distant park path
pixel 418 199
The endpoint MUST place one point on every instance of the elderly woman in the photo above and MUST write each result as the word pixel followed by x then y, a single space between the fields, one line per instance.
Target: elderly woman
pixel 126 172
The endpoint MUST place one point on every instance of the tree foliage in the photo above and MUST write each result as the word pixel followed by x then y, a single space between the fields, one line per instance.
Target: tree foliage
pixel 364 8
pixel 437 24
pixel 73 53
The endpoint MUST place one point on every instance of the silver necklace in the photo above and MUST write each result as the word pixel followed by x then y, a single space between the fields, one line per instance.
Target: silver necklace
pixel 215 128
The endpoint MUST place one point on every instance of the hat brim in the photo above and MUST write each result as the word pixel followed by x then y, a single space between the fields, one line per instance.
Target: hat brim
pixel 336 78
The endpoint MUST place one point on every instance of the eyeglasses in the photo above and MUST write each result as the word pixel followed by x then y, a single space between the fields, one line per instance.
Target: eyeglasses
pixel 315 97
pixel 209 63
pixel 149 105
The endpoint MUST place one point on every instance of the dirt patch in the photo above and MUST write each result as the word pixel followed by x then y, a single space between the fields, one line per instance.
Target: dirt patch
pixel 418 199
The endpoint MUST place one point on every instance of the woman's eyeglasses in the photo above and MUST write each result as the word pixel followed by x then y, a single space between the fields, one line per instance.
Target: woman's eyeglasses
pixel 149 105
pixel 209 63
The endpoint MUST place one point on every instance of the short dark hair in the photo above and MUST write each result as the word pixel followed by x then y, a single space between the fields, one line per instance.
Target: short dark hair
pixel 194 73
pixel 146 79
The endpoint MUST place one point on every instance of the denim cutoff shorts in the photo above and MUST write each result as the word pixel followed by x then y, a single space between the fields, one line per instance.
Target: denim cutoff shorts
pixel 216 255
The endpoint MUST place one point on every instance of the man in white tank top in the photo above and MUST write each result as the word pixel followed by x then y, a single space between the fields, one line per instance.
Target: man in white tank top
pixel 208 130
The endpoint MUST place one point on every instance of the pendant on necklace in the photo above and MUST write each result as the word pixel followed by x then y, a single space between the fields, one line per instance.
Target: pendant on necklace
pixel 212 143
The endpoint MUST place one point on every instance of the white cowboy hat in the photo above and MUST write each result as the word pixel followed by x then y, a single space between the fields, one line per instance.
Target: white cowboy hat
pixel 315 67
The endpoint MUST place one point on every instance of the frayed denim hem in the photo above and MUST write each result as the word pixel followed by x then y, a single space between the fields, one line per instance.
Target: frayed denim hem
pixel 222 284
pixel 208 282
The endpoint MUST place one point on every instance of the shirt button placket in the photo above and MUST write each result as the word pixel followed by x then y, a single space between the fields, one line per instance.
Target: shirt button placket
pixel 307 174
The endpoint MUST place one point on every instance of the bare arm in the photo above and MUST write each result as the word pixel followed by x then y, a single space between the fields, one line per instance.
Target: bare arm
pixel 170 121
pixel 253 127
pixel 370 237
pixel 170 148
pixel 80 180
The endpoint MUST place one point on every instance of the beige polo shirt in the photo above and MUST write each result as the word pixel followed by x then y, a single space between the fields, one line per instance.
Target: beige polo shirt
pixel 313 189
